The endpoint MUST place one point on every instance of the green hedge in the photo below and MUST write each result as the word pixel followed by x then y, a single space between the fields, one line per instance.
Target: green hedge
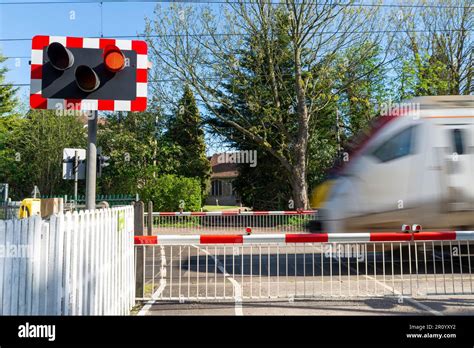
pixel 171 192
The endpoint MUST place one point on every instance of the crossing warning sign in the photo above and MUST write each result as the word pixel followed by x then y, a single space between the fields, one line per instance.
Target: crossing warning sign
pixel 75 73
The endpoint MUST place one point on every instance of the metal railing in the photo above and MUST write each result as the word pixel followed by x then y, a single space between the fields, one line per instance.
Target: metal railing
pixel 231 221
pixel 112 200
pixel 9 210
pixel 236 267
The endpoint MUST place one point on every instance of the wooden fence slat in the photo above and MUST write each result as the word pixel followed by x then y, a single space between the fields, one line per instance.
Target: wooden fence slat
pixel 7 272
pixel 23 264
pixel 80 263
pixel 2 264
pixel 52 277
pixel 110 247
pixel 15 266
pixel 36 267
pixel 74 264
pixel 29 267
pixel 66 283
pixel 59 263
pixel 43 286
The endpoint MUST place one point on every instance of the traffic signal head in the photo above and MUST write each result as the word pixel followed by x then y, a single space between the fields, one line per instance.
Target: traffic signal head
pixel 86 78
pixel 102 162
pixel 59 56
pixel 88 74
pixel 114 59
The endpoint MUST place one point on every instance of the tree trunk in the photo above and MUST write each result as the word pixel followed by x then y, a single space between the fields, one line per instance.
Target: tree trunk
pixel 299 185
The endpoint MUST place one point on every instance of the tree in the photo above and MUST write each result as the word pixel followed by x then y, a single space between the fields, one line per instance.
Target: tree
pixel 137 151
pixel 8 100
pixel 360 101
pixel 34 152
pixel 196 54
pixel 435 49
pixel 185 130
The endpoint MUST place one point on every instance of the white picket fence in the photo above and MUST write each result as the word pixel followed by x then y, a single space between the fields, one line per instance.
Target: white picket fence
pixel 73 264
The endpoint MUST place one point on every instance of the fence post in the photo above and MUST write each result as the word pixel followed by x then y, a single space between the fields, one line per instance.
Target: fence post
pixel 139 208
pixel 150 218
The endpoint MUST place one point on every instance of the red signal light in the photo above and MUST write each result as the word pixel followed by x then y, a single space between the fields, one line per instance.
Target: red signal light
pixel 406 228
pixel 114 59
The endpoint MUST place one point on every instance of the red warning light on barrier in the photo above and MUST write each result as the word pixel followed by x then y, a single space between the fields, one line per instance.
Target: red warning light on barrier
pixel 248 230
pixel 114 59
pixel 406 228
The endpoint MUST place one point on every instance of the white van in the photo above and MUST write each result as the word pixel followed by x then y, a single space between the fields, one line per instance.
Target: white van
pixel 418 168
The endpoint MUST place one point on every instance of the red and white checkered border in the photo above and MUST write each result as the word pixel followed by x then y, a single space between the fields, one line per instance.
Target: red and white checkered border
pixel 38 102
pixel 305 238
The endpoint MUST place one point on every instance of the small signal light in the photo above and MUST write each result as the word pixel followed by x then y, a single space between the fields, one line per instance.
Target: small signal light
pixel 59 56
pixel 248 230
pixel 416 228
pixel 86 78
pixel 406 228
pixel 114 59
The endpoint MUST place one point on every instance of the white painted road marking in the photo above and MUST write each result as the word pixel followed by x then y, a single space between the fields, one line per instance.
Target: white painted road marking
pixel 235 284
pixel 162 286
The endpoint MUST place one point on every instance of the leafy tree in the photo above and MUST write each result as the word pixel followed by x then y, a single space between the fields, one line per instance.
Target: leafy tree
pixel 8 100
pixel 185 130
pixel 137 152
pixel 33 152
pixel 359 101
pixel 435 49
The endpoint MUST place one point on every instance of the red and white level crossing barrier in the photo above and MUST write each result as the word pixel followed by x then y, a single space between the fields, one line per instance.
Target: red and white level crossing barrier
pixel 305 238
pixel 231 222
pixel 235 213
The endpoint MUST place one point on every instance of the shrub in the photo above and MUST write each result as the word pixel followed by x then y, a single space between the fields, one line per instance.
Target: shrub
pixel 171 192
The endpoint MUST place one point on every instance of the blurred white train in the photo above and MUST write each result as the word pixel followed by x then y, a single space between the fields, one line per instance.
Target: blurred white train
pixel 415 167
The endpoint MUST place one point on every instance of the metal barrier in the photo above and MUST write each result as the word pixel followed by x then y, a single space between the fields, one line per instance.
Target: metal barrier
pixel 9 210
pixel 231 221
pixel 239 267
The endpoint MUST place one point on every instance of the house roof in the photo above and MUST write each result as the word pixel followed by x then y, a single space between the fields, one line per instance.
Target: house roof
pixel 83 119
pixel 222 170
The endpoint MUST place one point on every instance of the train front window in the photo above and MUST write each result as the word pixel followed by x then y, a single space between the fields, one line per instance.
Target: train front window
pixel 399 145
pixel 457 136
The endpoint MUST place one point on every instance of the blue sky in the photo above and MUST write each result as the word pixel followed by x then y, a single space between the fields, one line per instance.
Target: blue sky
pixel 81 19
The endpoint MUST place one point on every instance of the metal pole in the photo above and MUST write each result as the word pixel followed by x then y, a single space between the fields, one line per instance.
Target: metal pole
pixel 76 170
pixel 91 160
pixel 150 218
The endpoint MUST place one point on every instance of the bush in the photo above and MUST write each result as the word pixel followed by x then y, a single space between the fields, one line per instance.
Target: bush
pixel 171 192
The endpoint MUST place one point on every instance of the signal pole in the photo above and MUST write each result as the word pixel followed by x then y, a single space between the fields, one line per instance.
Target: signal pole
pixel 91 157
pixel 76 172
